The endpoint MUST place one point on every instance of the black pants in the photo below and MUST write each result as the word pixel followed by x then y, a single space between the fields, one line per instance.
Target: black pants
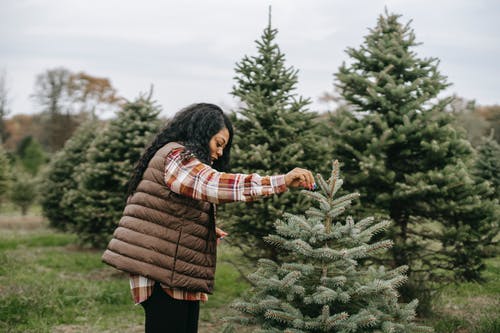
pixel 165 314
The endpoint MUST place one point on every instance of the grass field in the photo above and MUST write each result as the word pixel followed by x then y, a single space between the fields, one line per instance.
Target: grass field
pixel 49 285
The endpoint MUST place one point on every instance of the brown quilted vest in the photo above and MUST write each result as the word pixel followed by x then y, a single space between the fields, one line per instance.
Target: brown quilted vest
pixel 165 236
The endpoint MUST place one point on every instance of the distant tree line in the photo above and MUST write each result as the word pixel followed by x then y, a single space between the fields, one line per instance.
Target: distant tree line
pixel 66 100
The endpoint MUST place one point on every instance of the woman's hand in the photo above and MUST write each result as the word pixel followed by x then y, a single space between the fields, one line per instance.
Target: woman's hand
pixel 220 234
pixel 300 177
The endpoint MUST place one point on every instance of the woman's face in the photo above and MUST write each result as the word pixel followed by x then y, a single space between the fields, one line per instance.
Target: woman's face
pixel 217 144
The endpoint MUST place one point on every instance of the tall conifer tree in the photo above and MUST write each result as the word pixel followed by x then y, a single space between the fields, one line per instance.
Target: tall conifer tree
pixel 400 150
pixel 325 288
pixel 275 132
pixel 102 179
pixel 60 177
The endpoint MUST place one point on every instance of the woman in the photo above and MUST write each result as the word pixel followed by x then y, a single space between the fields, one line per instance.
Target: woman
pixel 166 238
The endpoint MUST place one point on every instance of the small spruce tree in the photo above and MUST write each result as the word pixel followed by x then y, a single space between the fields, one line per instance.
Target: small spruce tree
pixel 487 165
pixel 275 132
pixel 60 177
pixel 23 192
pixel 102 179
pixel 31 155
pixel 327 288
pixel 4 173
pixel 486 168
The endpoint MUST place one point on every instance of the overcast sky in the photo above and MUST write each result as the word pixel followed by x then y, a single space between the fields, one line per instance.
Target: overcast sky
pixel 188 49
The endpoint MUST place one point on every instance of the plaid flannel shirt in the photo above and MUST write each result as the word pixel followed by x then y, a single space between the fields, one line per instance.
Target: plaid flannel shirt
pixel 186 175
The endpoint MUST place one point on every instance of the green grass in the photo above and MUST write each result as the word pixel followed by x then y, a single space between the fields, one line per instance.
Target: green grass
pixel 471 306
pixel 229 285
pixel 49 285
pixel 454 324
pixel 44 239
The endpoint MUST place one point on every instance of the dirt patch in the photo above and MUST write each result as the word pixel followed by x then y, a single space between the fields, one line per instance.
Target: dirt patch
pixel 134 329
pixel 28 222
pixel 206 327
pixel 70 329
pixel 87 329
pixel 474 310
pixel 215 321
pixel 481 302
pixel 107 273
pixel 80 248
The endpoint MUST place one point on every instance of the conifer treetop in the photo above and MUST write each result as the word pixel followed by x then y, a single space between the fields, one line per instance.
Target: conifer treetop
pixel 274 133
pixel 386 67
pixel 264 78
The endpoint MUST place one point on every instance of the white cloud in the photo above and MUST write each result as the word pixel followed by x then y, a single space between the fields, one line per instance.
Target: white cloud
pixel 188 49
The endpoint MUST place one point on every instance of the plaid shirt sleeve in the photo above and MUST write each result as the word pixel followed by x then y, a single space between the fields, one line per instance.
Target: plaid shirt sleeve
pixel 186 175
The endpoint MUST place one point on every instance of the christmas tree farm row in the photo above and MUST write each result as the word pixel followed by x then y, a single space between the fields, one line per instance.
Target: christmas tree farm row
pixel 396 144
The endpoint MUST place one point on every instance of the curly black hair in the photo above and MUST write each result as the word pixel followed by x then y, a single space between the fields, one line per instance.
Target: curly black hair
pixel 192 127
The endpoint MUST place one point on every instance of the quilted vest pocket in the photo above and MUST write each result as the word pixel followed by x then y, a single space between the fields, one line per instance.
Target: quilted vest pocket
pixel 175 255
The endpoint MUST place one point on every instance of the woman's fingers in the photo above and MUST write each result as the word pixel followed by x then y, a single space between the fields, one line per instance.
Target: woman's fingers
pixel 220 233
pixel 300 177
pixel 311 178
pixel 294 178
pixel 307 178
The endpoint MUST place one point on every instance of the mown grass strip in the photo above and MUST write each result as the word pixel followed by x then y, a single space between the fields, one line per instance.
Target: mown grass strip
pixel 49 285
pixel 36 240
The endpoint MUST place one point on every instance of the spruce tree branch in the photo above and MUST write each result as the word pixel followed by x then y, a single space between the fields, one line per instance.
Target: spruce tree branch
pixel 240 271
pixel 243 275
pixel 420 234
pixel 430 253
pixel 427 270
